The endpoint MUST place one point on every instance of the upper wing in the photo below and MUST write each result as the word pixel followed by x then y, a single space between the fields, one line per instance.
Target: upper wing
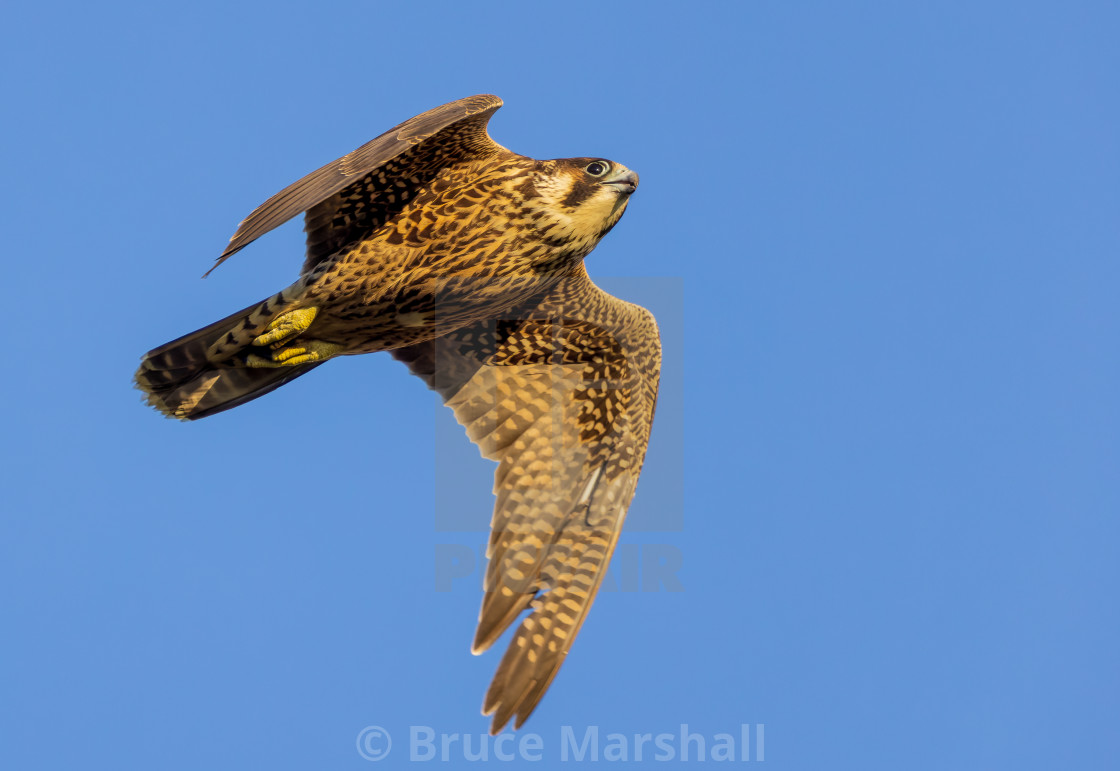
pixel 421 145
pixel 563 398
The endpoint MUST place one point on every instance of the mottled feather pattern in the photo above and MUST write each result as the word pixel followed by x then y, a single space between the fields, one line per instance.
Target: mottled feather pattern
pixel 358 210
pixel 465 261
pixel 561 399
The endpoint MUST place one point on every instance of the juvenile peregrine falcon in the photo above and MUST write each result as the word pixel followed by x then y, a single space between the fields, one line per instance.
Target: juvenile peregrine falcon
pixel 465 261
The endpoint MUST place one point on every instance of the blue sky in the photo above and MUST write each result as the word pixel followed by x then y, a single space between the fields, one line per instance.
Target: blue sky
pixel 882 242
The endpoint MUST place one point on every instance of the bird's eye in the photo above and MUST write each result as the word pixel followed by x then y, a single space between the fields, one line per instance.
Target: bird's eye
pixel 597 168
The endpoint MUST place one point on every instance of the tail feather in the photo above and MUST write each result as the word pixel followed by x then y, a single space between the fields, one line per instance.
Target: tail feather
pixel 204 372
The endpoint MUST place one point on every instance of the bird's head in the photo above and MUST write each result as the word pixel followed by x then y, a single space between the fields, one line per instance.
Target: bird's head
pixel 580 199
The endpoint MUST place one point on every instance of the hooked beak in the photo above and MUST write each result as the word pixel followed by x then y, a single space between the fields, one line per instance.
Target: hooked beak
pixel 624 181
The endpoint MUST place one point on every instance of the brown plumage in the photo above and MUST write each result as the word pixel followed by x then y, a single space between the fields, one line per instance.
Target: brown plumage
pixel 465 261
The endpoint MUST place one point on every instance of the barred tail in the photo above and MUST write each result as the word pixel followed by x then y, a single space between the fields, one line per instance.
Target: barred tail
pixel 204 373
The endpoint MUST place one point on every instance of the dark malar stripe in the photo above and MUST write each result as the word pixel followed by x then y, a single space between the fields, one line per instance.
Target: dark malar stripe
pixel 579 193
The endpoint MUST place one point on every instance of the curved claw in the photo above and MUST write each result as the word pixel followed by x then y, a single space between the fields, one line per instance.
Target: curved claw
pixel 287 326
pixel 307 351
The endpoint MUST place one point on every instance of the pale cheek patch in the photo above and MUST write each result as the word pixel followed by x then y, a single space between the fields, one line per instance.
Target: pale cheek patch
pixel 553 189
pixel 584 223
pixel 595 213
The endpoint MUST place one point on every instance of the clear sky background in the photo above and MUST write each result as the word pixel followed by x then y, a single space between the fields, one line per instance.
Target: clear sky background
pixel 883 242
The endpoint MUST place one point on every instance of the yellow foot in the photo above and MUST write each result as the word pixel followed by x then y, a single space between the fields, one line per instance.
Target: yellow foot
pixel 287 326
pixel 304 352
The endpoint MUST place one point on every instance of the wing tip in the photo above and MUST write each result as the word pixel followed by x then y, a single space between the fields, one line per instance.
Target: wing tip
pixel 479 102
pixel 518 710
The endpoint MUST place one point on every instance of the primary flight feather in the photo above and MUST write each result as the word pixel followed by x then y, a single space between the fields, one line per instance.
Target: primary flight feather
pixel 465 261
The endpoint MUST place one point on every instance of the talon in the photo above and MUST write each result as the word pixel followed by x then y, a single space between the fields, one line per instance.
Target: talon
pixel 304 359
pixel 286 326
pixel 306 351
pixel 284 354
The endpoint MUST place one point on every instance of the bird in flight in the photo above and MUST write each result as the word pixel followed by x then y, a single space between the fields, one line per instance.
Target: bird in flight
pixel 464 261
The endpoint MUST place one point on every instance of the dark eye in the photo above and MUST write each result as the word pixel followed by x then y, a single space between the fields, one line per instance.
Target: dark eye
pixel 597 168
